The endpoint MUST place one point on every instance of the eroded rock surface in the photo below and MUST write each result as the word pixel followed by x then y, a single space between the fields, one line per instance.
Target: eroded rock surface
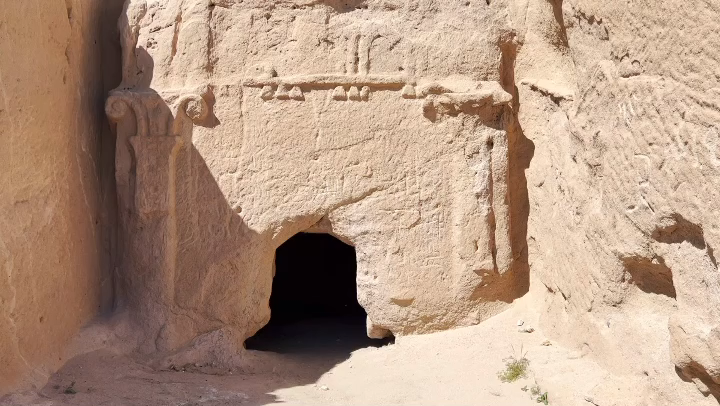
pixel 390 126
pixel 406 129
pixel 56 189
pixel 460 146
pixel 623 181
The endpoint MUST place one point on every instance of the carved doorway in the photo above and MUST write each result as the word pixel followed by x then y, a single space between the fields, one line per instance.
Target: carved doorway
pixel 314 307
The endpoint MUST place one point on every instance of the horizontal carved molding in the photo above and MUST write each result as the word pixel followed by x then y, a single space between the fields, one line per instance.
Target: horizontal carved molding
pixel 357 87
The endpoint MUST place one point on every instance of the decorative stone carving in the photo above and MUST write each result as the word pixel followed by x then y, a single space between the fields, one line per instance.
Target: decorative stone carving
pixel 280 87
pixel 360 127
pixel 152 113
pixel 158 133
pixel 153 132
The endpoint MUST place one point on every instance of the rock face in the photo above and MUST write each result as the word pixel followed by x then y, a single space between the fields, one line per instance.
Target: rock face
pixel 55 182
pixel 621 103
pixel 464 148
pixel 405 128
pixel 387 124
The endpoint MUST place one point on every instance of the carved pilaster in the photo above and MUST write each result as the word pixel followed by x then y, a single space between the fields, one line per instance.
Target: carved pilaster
pixel 488 102
pixel 155 174
pixel 152 131
pixel 499 165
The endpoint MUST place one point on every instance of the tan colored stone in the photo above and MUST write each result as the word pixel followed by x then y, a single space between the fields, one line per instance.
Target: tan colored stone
pixel 395 127
pixel 623 116
pixel 405 128
pixel 56 191
pixel 308 115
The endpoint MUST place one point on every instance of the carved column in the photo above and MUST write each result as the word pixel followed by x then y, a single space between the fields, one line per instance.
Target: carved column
pixel 490 103
pixel 499 160
pixel 151 133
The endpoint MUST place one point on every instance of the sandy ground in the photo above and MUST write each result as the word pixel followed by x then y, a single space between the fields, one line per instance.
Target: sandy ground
pixel 457 367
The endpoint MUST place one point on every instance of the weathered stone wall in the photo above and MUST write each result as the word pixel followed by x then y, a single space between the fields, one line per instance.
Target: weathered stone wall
pixel 388 124
pixel 404 127
pixel 616 131
pixel 622 104
pixel 56 179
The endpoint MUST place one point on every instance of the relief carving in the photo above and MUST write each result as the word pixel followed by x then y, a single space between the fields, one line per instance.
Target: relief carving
pixel 160 126
pixel 154 131
pixel 164 115
pixel 352 122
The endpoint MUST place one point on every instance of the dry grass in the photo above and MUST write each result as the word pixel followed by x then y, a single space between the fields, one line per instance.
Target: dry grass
pixel 515 368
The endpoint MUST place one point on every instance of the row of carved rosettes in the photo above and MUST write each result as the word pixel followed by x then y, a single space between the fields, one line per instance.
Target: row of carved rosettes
pixel 157 114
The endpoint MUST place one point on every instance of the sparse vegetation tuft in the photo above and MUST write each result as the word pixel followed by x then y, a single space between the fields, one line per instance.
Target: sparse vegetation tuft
pixel 516 367
pixel 539 395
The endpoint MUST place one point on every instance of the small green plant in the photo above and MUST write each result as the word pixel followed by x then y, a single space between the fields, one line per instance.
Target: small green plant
pixel 70 390
pixel 539 395
pixel 515 367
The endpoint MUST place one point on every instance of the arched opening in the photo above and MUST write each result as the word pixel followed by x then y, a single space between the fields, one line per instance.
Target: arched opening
pixel 313 305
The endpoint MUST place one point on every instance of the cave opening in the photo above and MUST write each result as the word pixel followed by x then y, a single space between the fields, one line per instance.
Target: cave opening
pixel 313 304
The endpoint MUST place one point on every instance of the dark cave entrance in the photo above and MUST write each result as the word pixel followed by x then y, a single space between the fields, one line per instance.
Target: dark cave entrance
pixel 313 305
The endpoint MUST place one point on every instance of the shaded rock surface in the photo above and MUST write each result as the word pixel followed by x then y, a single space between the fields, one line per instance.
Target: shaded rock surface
pixel 57 195
pixel 470 151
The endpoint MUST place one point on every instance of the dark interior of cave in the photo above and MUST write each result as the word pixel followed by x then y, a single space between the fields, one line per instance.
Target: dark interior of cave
pixel 314 306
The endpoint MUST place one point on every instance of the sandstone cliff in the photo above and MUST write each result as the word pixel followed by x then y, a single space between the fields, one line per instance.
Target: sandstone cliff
pixel 56 189
pixel 473 152
pixel 621 103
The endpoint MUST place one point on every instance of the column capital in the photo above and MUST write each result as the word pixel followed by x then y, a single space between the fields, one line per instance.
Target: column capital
pixel 158 113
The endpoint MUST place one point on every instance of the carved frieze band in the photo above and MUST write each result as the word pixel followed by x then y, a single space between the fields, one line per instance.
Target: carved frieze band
pixel 155 114
pixel 345 87
pixel 356 83
pixel 437 96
